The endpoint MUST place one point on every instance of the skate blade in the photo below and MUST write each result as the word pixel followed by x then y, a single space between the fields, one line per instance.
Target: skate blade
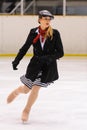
pixel 24 121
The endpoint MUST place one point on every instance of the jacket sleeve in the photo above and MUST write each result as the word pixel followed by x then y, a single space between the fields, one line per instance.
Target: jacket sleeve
pixel 23 50
pixel 59 52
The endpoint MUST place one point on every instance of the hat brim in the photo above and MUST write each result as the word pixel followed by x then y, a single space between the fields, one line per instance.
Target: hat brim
pixel 52 17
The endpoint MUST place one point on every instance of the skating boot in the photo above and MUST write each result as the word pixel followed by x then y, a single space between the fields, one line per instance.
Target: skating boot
pixel 25 115
pixel 13 95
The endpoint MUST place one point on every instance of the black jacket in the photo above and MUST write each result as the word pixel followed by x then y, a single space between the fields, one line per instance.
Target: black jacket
pixel 42 60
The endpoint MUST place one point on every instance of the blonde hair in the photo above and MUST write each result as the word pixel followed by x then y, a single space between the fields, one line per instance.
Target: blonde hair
pixel 49 33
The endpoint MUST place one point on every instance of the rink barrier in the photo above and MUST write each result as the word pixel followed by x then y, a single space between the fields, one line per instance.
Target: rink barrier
pixel 15 29
pixel 30 55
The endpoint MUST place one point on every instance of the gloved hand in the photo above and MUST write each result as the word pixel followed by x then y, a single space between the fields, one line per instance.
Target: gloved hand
pixel 14 65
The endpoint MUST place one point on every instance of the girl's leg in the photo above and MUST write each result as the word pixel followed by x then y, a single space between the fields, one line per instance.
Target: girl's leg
pixel 22 89
pixel 31 100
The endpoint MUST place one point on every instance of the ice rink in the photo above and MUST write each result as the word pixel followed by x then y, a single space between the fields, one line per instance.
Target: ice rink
pixel 61 106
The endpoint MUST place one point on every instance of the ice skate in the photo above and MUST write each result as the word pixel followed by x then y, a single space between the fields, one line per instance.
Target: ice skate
pixel 16 92
pixel 12 96
pixel 25 116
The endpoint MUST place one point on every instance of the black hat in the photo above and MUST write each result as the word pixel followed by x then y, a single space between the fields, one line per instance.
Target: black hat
pixel 45 13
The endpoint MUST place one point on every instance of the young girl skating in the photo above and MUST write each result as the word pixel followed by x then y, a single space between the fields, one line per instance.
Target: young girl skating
pixel 42 69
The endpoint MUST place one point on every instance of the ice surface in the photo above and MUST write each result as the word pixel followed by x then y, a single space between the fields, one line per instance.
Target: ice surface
pixel 61 106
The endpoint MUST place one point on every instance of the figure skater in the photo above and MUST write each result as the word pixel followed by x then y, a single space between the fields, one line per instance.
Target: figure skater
pixel 42 69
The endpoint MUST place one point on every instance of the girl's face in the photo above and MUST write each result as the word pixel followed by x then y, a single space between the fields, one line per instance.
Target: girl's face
pixel 44 22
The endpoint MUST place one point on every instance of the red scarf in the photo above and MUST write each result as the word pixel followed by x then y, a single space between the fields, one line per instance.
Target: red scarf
pixel 42 33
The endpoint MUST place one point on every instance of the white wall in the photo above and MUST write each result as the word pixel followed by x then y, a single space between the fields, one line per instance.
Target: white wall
pixel 14 31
